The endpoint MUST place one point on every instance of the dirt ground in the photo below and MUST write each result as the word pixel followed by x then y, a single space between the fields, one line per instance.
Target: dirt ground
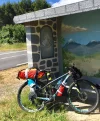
pixel 80 117
pixel 9 85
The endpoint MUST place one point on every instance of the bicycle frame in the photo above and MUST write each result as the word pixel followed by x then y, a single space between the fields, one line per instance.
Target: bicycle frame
pixel 63 82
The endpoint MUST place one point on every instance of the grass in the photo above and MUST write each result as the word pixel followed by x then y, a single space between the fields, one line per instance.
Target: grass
pixel 16 46
pixel 9 109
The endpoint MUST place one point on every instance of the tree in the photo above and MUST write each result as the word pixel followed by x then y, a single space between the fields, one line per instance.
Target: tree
pixel 25 6
pixel 40 4
pixel 11 33
pixel 9 10
pixel 6 14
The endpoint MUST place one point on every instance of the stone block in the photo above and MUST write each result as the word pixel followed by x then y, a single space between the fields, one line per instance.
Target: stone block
pixel 30 15
pixel 34 48
pixel 49 11
pixel 42 22
pixel 16 19
pixel 42 62
pixel 55 49
pixel 86 4
pixel 34 23
pixel 22 17
pixel 36 57
pixel 39 13
pixel 56 54
pixel 72 7
pixel 32 29
pixel 28 29
pixel 96 2
pixel 34 39
pixel 53 69
pixel 89 9
pixel 49 63
pixel 60 10
pixel 54 60
pixel 55 64
pixel 49 23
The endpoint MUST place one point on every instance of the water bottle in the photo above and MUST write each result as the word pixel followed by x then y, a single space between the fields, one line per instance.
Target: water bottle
pixel 60 90
pixel 61 87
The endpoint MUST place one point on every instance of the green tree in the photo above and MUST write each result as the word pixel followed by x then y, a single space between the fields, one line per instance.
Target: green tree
pixel 40 4
pixel 9 10
pixel 25 6
pixel 12 34
pixel 9 32
pixel 6 14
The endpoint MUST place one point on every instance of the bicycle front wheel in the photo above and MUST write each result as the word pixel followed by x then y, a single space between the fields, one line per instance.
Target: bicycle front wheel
pixel 27 100
pixel 83 96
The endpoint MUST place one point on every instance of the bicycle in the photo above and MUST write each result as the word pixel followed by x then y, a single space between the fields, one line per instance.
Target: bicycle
pixel 82 95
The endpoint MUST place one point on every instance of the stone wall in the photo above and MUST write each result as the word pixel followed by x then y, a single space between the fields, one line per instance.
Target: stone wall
pixel 33 30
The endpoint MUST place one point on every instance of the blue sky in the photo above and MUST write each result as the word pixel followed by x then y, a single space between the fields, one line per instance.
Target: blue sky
pixel 54 3
pixel 4 1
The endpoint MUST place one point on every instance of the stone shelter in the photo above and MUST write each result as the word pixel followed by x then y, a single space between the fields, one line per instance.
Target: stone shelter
pixel 43 30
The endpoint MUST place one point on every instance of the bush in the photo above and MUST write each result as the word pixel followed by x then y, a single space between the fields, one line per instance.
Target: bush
pixel 12 34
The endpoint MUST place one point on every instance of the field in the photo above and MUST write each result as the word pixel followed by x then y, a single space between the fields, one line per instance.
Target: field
pixel 16 46
pixel 89 65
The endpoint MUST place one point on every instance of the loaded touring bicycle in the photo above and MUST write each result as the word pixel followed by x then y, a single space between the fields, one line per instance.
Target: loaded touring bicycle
pixel 82 95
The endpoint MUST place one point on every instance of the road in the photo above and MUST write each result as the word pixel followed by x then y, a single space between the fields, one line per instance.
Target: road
pixel 12 59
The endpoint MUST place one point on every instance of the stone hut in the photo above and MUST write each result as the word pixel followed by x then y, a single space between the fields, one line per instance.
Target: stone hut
pixel 43 30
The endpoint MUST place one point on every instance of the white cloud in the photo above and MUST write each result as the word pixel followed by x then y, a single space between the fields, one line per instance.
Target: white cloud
pixel 64 2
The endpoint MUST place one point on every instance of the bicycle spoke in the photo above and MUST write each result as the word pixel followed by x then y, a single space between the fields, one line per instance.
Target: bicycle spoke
pixel 83 99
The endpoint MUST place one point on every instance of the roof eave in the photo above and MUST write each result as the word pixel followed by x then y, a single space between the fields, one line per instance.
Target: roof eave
pixel 73 8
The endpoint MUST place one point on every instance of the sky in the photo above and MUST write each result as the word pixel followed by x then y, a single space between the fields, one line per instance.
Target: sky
pixel 54 3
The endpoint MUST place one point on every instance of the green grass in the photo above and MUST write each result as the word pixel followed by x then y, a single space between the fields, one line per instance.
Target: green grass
pixel 10 111
pixel 16 46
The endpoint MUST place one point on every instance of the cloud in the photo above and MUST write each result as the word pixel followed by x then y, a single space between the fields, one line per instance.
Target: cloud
pixel 64 2
pixel 70 29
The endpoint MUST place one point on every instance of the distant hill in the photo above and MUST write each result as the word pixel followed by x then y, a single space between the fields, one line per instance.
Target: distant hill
pixel 83 50
pixel 71 45
pixel 93 43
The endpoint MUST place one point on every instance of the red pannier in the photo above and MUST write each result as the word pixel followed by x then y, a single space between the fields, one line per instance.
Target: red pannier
pixel 27 74
pixel 30 74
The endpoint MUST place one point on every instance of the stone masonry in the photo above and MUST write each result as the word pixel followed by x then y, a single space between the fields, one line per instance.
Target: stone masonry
pixel 33 45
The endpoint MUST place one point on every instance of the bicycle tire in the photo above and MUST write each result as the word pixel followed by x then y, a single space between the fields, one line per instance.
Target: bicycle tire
pixel 77 104
pixel 24 105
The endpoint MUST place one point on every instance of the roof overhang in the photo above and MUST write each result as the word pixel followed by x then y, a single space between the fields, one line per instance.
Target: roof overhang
pixel 78 7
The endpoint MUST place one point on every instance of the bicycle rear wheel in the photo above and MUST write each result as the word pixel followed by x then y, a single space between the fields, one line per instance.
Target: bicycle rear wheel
pixel 83 96
pixel 27 100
